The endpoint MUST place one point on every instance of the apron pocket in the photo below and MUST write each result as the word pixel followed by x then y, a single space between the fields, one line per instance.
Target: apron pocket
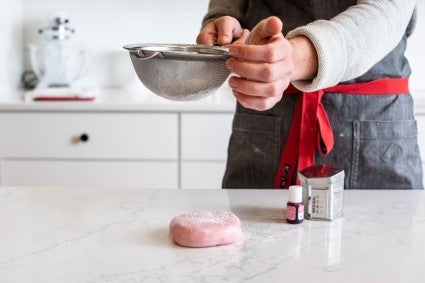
pixel 386 155
pixel 253 153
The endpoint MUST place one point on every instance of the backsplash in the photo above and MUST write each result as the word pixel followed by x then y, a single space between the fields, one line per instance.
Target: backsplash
pixel 10 46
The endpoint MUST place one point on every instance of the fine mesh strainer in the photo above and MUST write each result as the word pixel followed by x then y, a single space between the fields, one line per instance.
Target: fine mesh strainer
pixel 180 72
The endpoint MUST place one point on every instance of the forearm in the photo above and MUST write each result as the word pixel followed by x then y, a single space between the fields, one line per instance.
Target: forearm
pixel 353 41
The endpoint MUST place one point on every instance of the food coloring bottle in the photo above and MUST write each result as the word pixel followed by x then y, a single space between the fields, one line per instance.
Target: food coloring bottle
pixel 295 206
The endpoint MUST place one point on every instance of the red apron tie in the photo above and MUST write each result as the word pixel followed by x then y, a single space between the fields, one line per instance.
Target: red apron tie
pixel 311 129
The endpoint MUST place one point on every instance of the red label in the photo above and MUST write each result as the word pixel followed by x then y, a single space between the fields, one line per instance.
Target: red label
pixel 291 213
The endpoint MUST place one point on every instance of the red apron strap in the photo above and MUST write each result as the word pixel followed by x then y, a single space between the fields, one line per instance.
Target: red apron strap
pixel 325 135
pixel 311 129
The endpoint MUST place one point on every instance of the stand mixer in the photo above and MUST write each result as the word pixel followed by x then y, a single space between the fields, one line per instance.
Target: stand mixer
pixel 58 62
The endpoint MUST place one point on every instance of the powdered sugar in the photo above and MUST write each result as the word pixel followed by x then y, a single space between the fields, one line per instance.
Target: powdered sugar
pixel 205 218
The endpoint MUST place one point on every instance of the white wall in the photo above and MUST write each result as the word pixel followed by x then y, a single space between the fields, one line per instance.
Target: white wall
pixel 105 25
pixel 10 45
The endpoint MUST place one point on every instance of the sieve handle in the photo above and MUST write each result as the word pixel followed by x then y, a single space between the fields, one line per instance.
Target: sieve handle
pixel 142 56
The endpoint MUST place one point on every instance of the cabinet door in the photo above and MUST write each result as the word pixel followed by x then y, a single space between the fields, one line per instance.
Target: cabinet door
pixel 124 136
pixel 202 175
pixel 119 174
pixel 205 136
pixel 421 138
pixel 421 133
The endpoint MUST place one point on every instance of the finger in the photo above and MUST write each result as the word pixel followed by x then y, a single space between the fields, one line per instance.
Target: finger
pixel 259 89
pixel 278 49
pixel 227 28
pixel 242 37
pixel 264 30
pixel 208 35
pixel 255 103
pixel 262 72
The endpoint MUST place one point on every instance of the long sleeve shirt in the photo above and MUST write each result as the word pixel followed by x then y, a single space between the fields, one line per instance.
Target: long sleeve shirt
pixel 347 45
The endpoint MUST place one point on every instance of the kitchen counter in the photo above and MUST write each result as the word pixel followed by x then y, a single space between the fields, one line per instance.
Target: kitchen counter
pixel 116 100
pixel 121 235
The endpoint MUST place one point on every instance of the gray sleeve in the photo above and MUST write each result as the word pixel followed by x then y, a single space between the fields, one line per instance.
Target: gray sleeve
pixel 352 42
pixel 219 8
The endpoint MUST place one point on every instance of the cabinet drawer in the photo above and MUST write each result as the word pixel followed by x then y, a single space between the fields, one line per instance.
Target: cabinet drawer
pixel 120 174
pixel 205 137
pixel 202 175
pixel 113 136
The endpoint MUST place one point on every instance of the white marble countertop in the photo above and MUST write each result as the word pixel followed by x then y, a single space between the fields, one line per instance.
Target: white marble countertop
pixel 121 235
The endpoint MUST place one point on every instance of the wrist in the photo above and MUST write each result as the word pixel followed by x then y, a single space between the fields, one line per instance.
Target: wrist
pixel 305 58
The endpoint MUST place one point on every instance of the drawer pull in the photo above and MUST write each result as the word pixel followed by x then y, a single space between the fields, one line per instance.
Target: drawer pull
pixel 84 137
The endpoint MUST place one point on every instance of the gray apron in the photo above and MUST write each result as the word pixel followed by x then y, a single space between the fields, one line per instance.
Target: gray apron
pixel 375 136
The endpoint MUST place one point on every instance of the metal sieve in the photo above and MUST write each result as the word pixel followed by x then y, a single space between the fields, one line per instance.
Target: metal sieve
pixel 180 72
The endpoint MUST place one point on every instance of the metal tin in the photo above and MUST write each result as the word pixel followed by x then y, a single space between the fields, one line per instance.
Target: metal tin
pixel 323 190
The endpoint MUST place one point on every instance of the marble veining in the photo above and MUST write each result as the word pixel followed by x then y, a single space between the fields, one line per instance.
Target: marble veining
pixel 121 235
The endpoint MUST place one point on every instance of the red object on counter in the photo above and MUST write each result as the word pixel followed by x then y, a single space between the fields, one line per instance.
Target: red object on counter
pixel 63 98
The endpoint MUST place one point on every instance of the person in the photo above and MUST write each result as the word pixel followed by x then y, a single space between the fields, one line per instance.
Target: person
pixel 318 82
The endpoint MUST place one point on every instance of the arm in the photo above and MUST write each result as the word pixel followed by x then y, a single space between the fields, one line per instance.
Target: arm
pixel 352 42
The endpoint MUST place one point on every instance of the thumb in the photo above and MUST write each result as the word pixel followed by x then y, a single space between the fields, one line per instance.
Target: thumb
pixel 265 30
pixel 242 37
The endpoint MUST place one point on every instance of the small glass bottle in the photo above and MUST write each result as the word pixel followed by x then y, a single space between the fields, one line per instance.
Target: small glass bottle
pixel 295 206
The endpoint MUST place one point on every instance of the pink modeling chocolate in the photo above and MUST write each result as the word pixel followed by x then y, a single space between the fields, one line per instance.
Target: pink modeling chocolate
pixel 206 228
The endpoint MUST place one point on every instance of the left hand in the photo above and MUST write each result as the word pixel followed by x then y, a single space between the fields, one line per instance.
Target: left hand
pixel 263 62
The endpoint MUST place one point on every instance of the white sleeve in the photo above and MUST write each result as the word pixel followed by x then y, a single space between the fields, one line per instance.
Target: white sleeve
pixel 353 41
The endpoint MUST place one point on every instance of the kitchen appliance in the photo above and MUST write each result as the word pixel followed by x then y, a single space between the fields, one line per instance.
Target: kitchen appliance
pixel 58 61
pixel 180 72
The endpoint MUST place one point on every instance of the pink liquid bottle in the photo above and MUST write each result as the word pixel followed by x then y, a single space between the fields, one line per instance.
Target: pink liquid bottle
pixel 295 206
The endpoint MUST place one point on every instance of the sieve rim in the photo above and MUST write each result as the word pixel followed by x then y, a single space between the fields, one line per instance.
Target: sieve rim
pixel 180 51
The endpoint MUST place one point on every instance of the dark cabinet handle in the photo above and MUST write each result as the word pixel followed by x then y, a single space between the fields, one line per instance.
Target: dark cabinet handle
pixel 84 137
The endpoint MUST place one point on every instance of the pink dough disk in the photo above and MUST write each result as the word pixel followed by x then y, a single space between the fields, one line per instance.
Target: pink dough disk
pixel 205 229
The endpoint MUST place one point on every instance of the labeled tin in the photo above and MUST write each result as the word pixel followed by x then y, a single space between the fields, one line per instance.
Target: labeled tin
pixel 323 190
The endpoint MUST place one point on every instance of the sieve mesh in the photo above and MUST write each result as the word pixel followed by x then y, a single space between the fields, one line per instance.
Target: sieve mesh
pixel 181 74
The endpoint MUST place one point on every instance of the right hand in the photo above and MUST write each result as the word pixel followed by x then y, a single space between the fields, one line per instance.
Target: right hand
pixel 221 31
pixel 263 64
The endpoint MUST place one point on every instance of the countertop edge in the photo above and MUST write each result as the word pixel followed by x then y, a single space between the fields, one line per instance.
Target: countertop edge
pixel 125 101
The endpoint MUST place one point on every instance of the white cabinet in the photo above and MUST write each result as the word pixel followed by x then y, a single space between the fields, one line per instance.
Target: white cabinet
pixel 205 137
pixel 135 148
pixel 202 175
pixel 90 173
pixel 88 135
pixel 89 149
pixel 204 140
pixel 421 138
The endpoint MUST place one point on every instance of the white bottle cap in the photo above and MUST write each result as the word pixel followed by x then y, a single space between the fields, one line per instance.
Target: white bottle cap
pixel 295 194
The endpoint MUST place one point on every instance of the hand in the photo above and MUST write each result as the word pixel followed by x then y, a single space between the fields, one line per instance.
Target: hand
pixel 266 63
pixel 220 31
